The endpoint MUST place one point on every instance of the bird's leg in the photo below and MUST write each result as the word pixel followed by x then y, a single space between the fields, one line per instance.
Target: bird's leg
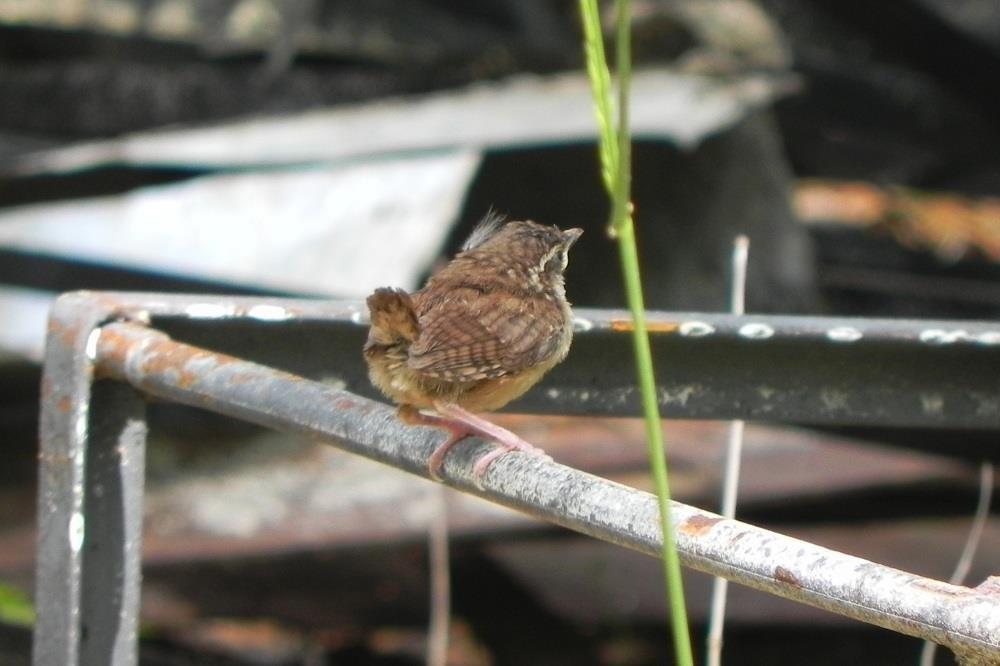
pixel 465 421
pixel 413 416
pixel 461 423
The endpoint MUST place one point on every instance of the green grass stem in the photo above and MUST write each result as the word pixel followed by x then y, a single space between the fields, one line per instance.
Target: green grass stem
pixel 615 152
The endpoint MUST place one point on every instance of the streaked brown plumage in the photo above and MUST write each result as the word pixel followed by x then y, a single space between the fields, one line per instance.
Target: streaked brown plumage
pixel 481 332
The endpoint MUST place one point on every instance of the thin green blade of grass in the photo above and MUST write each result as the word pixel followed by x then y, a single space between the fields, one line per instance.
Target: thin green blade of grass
pixel 600 83
pixel 615 153
pixel 15 607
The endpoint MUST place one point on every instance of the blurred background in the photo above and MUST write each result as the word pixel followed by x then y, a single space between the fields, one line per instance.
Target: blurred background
pixel 322 148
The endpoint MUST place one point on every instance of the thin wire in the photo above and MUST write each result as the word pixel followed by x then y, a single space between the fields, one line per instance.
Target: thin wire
pixel 978 523
pixel 734 455
pixel 979 519
pixel 440 577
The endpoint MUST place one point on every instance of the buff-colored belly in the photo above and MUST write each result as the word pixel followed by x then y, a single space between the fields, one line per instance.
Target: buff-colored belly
pixel 405 386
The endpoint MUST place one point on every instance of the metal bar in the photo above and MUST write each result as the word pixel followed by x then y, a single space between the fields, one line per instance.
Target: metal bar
pixel 820 370
pixel 808 370
pixel 960 618
pixel 65 401
pixel 89 500
pixel 112 555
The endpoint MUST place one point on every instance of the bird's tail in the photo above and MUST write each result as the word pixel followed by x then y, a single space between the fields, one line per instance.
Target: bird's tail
pixel 393 319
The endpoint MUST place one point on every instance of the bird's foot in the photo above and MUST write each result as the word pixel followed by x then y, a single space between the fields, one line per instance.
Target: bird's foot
pixel 506 446
pixel 476 425
pixel 461 423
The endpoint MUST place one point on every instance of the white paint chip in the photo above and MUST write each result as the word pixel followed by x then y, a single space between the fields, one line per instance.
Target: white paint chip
pixel 209 311
pixel 696 329
pixel 988 338
pixel 269 313
pixel 80 426
pixel 90 349
pixel 844 334
pixel 937 336
pixel 76 532
pixel 756 331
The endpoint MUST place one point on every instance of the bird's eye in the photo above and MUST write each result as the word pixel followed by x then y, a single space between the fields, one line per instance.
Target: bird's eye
pixel 557 262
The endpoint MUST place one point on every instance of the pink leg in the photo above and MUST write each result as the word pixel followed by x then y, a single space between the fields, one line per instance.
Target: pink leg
pixel 476 425
pixel 458 431
pixel 461 423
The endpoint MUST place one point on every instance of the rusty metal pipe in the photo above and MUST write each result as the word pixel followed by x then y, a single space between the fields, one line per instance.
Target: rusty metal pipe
pixel 963 619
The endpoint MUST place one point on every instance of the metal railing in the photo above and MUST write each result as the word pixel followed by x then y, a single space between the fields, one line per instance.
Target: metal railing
pixel 106 351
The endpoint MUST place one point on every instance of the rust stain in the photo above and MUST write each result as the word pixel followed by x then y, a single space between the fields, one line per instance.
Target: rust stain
pixel 117 344
pixel 240 378
pixel 186 379
pixel 67 334
pixel 161 359
pixel 55 327
pixel 166 356
pixel 345 403
pixel 64 404
pixel 623 325
pixel 783 575
pixel 164 359
pixel 698 525
pixel 158 360
pixel 105 300
pixel 220 360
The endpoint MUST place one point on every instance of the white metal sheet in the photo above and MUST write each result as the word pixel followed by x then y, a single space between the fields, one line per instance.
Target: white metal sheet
pixel 338 230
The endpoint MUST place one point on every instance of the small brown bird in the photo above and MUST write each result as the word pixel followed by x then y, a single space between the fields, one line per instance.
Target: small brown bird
pixel 481 332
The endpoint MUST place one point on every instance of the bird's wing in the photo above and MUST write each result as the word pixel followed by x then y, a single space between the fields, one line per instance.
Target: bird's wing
pixel 470 336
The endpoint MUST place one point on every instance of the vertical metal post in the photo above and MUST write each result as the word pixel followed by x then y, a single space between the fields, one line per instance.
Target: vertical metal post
pixel 92 441
pixel 112 558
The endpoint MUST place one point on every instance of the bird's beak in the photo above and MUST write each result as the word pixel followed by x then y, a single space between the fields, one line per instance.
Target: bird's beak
pixel 570 236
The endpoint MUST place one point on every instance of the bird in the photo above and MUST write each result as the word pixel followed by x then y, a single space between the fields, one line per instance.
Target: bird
pixel 483 330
